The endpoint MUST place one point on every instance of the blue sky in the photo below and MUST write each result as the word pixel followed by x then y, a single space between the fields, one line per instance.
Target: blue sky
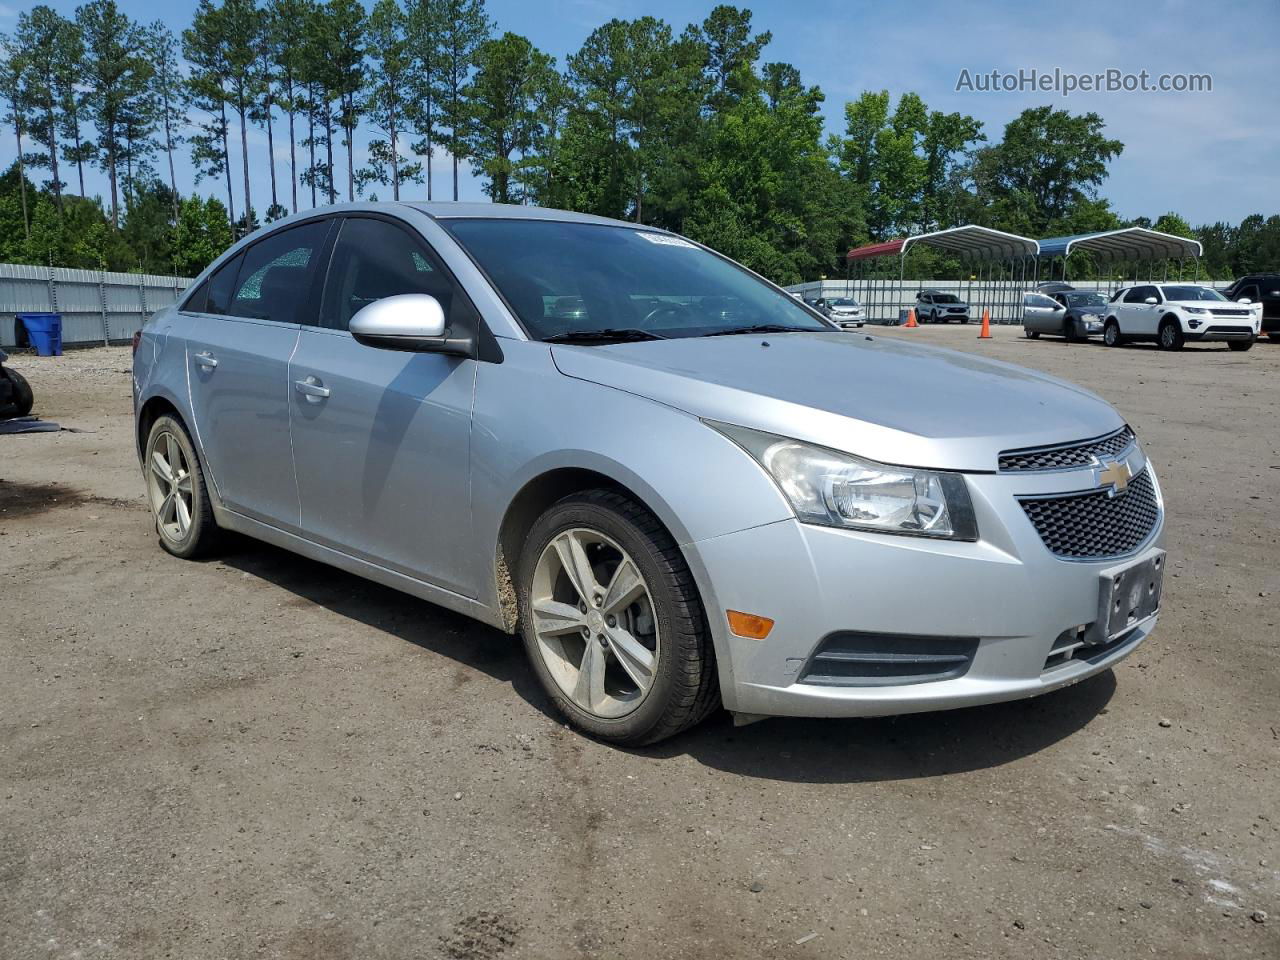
pixel 1209 156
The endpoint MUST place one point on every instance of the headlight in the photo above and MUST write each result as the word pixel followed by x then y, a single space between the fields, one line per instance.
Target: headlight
pixel 839 490
pixel 1195 309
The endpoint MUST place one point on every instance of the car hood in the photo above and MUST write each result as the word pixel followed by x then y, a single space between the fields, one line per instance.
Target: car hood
pixel 877 397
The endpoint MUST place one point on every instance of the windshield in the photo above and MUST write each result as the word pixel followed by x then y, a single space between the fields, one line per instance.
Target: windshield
pixel 844 302
pixel 1086 300
pixel 945 298
pixel 1191 293
pixel 566 278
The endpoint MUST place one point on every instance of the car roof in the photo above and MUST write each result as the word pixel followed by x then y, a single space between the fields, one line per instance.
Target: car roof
pixel 444 210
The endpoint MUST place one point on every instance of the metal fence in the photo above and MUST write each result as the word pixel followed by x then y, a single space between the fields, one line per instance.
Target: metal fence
pixel 97 307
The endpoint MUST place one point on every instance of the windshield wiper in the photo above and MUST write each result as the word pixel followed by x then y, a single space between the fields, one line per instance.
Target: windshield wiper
pixel 607 335
pixel 759 328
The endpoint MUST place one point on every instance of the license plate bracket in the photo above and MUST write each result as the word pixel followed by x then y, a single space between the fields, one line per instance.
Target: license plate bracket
pixel 1129 596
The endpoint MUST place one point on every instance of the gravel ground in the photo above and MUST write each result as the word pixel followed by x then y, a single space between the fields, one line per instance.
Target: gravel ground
pixel 259 756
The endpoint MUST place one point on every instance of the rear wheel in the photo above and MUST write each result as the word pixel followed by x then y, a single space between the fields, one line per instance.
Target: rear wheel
pixel 612 621
pixel 176 491
pixel 1111 334
pixel 1031 334
pixel 1240 345
pixel 1274 335
pixel 1170 335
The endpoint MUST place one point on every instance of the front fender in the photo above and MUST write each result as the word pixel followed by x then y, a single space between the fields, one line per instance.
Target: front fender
pixel 531 419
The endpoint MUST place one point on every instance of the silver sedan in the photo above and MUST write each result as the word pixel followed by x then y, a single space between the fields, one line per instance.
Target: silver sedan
pixel 679 485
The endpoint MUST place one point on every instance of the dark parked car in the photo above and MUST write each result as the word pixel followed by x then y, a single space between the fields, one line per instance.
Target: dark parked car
pixel 1263 288
pixel 1070 313
pixel 15 392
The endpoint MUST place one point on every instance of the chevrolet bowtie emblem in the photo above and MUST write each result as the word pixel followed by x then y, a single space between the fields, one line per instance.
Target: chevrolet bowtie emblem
pixel 1115 475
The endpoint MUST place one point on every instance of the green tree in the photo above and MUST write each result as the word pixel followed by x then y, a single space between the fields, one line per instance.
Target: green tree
pixel 200 235
pixel 17 115
pixel 1049 163
pixel 40 34
pixel 464 27
pixel 210 73
pixel 425 49
pixel 285 40
pixel 730 47
pixel 238 29
pixel 116 75
pixel 171 95
pixel 387 96
pixel 503 116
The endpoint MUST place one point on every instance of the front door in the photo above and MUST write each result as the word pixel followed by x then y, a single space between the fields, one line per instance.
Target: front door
pixel 381 438
pixel 238 351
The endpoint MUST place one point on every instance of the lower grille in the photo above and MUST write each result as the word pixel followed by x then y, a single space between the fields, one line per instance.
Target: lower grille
pixel 1225 331
pixel 855 659
pixel 1096 525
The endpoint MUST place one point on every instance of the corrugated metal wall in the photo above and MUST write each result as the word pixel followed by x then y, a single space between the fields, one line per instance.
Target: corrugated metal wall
pixel 96 306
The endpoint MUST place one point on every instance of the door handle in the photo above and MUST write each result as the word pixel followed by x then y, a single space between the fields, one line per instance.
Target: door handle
pixel 206 359
pixel 311 389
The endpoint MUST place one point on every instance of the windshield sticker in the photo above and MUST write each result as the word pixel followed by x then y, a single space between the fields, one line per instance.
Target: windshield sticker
pixel 666 240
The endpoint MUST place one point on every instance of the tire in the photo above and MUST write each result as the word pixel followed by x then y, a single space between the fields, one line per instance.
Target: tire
pixel 1031 334
pixel 1274 336
pixel 1169 336
pixel 964 319
pixel 609 529
pixel 170 500
pixel 1111 334
pixel 23 399
pixel 1241 345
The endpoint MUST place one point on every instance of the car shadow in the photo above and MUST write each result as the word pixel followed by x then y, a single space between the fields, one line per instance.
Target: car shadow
pixel 424 624
pixel 910 747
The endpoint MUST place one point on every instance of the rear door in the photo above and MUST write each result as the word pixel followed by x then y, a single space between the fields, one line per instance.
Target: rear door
pixel 381 438
pixel 238 353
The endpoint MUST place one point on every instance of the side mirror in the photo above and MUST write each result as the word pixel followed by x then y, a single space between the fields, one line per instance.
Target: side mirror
pixel 1244 300
pixel 1151 300
pixel 408 321
pixel 1057 308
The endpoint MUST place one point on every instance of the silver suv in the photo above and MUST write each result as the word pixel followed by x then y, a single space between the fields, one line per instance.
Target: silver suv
pixel 676 482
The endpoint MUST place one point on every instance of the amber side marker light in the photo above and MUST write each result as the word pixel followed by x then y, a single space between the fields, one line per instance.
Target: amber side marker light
pixel 749 625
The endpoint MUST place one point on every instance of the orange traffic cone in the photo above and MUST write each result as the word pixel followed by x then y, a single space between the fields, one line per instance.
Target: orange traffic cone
pixel 911 317
pixel 986 325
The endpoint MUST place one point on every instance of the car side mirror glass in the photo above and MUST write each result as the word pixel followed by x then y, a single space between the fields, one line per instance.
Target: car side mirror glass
pixel 1151 300
pixel 407 321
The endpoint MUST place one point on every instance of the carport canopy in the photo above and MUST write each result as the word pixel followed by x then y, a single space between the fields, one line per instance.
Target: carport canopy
pixel 970 240
pixel 1130 243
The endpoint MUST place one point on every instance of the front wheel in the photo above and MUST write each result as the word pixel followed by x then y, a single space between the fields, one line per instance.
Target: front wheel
pixel 1240 345
pixel 612 621
pixel 176 491
pixel 1171 335
pixel 1111 335
pixel 1031 334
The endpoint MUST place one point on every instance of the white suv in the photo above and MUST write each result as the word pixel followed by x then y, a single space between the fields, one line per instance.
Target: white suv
pixel 934 306
pixel 1173 313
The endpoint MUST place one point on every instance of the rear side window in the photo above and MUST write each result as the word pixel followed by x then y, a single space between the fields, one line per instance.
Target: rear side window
pixel 197 299
pixel 221 284
pixel 373 259
pixel 275 280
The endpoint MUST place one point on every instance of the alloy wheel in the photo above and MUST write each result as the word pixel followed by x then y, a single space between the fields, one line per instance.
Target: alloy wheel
pixel 170 486
pixel 594 623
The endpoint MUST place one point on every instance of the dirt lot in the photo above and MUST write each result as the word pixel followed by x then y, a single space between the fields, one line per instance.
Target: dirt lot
pixel 258 756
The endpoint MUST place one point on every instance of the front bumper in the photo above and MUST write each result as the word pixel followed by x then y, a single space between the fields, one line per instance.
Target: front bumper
pixel 1007 591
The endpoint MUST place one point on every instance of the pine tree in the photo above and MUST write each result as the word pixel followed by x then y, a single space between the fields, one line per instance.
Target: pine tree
pixel 203 48
pixel 465 26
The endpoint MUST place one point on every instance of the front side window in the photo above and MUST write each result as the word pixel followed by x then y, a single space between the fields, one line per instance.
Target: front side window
pixel 946 298
pixel 577 279
pixel 1136 295
pixel 373 259
pixel 275 279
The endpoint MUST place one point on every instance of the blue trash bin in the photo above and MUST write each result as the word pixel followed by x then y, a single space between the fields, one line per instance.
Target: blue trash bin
pixel 44 330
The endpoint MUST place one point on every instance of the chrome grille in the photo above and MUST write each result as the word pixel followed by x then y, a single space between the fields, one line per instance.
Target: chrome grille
pixel 1066 456
pixel 1094 525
